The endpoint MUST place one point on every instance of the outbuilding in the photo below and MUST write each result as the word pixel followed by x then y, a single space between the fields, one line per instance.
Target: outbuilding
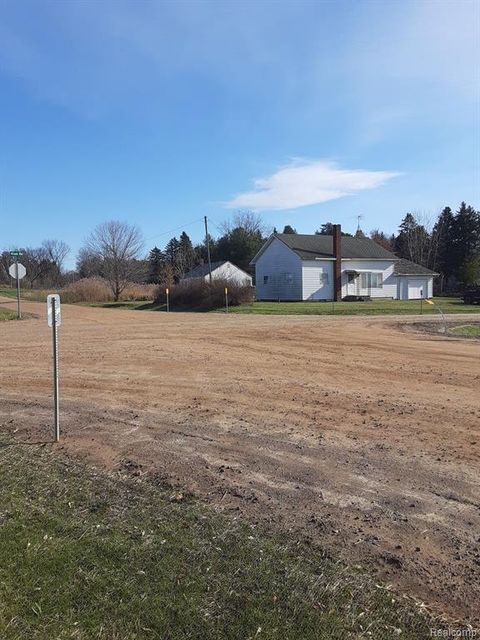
pixel 221 270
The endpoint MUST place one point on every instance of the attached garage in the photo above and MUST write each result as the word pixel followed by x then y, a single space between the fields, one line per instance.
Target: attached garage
pixel 413 280
pixel 417 289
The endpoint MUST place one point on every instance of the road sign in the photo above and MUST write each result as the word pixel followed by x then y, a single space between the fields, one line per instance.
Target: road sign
pixel 58 313
pixel 12 270
pixel 54 319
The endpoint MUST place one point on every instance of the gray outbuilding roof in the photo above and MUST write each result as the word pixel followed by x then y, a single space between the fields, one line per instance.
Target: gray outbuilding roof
pixel 202 270
pixel 406 268
pixel 310 247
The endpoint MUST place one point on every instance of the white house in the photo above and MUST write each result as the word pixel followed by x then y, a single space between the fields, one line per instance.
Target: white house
pixel 315 267
pixel 222 270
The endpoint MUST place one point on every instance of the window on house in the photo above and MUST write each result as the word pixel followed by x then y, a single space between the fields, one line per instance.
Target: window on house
pixel 289 278
pixel 265 279
pixel 323 277
pixel 371 280
pixel 377 280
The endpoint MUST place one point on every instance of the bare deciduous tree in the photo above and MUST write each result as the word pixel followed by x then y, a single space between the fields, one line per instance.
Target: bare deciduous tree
pixel 116 245
pixel 56 251
pixel 250 221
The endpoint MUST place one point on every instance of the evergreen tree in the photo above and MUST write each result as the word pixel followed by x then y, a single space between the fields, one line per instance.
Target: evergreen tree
pixel 171 257
pixel 442 254
pixel 185 254
pixel 156 266
pixel 288 229
pixel 327 230
pixel 413 241
pixel 200 251
pixel 465 242
pixel 239 246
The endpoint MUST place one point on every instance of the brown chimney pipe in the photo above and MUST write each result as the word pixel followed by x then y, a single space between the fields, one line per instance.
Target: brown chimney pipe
pixel 337 265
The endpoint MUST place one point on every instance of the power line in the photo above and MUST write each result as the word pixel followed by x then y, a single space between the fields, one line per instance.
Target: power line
pixel 216 224
pixel 182 226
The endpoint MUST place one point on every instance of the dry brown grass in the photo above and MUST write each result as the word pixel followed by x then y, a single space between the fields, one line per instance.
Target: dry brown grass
pixel 141 292
pixel 91 290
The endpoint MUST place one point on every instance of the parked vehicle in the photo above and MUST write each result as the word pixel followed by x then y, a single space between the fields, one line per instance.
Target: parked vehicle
pixel 472 295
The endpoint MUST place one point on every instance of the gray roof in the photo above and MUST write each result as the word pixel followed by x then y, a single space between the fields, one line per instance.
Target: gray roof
pixel 406 268
pixel 310 247
pixel 202 269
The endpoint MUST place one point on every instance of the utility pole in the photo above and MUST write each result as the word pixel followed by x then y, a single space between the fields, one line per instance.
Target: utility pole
pixel 207 240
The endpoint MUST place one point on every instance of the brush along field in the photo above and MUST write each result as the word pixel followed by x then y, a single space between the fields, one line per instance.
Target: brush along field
pixel 351 433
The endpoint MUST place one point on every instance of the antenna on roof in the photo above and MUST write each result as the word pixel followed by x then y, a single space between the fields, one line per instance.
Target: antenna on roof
pixel 359 233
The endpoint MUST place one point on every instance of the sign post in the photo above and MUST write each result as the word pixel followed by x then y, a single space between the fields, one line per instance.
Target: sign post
pixel 226 300
pixel 444 318
pixel 17 271
pixel 167 292
pixel 54 318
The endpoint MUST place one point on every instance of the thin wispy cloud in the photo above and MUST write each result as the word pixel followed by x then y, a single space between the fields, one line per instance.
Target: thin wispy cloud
pixel 307 182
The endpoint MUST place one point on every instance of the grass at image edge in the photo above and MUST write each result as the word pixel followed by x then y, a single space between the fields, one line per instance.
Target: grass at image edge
pixel 87 555
pixel 468 331
pixel 6 314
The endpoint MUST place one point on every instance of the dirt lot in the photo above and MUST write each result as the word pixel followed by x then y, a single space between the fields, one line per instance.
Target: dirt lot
pixel 350 432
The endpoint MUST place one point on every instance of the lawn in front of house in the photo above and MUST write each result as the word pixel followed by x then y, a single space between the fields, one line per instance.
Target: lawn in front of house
pixel 373 307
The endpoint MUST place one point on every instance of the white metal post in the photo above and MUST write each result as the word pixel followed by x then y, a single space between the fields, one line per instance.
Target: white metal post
pixel 19 312
pixel 56 406
pixel 226 299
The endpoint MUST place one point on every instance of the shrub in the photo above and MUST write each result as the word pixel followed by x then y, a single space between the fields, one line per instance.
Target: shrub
pixel 199 295
pixel 87 290
pixel 140 292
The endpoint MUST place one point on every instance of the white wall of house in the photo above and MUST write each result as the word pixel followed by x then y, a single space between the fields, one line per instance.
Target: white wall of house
pixel 278 273
pixel 368 285
pixel 317 280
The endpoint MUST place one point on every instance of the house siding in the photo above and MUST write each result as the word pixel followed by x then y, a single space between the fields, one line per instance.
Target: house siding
pixel 385 267
pixel 283 268
pixel 317 280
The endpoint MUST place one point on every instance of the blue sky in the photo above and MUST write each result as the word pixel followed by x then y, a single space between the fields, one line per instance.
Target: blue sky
pixel 161 112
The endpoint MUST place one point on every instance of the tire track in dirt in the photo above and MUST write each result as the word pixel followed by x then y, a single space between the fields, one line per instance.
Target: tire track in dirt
pixel 346 431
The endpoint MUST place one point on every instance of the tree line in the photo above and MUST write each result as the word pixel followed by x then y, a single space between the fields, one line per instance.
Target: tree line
pixel 449 245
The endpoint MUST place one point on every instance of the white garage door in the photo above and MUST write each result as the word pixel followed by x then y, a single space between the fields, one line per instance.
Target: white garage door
pixel 416 289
